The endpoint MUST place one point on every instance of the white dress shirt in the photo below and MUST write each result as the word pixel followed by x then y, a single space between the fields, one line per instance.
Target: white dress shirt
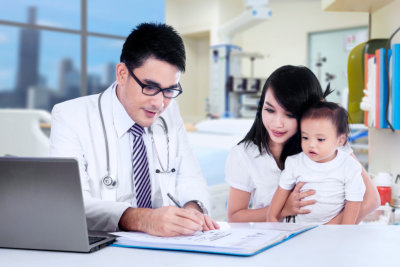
pixel 249 171
pixel 77 132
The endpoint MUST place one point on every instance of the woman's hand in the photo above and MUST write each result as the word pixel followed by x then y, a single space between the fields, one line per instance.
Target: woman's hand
pixel 294 203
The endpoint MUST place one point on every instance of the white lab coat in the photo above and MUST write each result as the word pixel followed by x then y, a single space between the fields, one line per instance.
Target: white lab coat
pixel 77 132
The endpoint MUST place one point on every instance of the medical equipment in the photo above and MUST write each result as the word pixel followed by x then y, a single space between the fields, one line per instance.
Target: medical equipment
pixel 165 129
pixel 109 180
pixel 225 60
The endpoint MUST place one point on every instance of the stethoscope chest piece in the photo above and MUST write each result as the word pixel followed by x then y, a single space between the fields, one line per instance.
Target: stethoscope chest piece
pixel 163 171
pixel 109 181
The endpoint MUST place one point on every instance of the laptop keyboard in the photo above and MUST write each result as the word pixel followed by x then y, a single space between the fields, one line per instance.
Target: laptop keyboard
pixel 94 239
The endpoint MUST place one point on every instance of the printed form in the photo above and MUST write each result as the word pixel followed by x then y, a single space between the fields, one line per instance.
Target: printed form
pixel 239 239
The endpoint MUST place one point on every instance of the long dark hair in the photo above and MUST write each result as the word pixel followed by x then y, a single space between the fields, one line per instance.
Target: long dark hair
pixel 295 88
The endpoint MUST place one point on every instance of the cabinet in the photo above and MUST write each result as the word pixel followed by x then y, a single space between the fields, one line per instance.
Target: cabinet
pixel 384 145
pixel 354 5
pixel 249 104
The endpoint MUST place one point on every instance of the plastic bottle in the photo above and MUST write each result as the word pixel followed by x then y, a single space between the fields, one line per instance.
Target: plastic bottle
pixel 383 182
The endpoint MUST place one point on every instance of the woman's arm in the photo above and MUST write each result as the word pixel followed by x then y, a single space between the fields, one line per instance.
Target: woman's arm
pixel 371 199
pixel 238 205
pixel 238 208
pixel 277 203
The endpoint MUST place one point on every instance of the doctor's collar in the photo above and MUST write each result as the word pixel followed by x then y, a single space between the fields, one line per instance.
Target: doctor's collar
pixel 122 121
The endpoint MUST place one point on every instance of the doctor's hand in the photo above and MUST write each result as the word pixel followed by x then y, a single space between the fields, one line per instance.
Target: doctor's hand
pixel 165 221
pixel 207 222
pixel 295 202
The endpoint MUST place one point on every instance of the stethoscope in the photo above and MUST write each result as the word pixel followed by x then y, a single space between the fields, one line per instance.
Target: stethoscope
pixel 165 129
pixel 110 180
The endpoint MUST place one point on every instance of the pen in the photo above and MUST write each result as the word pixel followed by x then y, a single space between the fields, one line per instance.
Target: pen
pixel 174 200
pixel 177 203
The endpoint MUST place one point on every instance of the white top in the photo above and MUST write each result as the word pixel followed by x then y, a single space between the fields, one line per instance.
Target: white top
pixel 257 174
pixel 249 171
pixel 334 182
pixel 77 132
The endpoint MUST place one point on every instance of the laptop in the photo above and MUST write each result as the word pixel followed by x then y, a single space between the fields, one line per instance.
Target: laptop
pixel 41 206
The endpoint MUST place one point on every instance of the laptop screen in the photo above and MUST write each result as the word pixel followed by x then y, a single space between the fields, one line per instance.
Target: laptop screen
pixel 41 204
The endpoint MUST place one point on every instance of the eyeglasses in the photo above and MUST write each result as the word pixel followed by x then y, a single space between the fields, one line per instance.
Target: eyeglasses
pixel 152 90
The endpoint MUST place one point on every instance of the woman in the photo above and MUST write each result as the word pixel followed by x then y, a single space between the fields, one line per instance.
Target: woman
pixel 253 166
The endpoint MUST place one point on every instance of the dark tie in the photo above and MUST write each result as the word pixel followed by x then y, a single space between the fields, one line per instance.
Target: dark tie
pixel 140 170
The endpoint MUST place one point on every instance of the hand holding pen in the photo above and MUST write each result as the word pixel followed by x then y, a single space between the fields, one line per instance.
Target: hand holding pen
pixel 176 203
pixel 174 200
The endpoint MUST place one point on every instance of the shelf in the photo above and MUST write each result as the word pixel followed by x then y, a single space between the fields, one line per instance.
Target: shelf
pixel 357 126
pixel 248 112
pixel 353 5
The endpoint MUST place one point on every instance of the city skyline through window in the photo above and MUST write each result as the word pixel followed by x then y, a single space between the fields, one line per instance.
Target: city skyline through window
pixel 41 60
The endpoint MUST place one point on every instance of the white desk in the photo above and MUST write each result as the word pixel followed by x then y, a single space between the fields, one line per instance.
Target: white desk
pixel 362 245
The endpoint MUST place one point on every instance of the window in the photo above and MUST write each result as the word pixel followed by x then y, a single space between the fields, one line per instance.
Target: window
pixel 53 13
pixel 118 17
pixel 54 50
pixel 101 70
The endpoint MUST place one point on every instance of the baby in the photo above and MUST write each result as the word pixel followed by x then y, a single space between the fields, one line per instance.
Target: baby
pixel 332 173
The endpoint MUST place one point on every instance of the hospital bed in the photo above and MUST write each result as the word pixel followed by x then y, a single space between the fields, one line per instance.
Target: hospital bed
pixel 22 133
pixel 211 142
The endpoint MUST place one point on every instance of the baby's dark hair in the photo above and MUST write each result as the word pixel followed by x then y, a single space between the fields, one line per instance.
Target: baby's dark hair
pixel 332 111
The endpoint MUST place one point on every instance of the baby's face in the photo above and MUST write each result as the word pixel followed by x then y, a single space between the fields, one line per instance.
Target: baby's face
pixel 319 139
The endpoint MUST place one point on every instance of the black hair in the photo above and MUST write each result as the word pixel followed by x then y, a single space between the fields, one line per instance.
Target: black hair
pixel 332 111
pixel 295 88
pixel 156 40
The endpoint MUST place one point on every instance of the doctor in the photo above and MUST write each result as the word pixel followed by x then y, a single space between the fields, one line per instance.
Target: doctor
pixel 131 143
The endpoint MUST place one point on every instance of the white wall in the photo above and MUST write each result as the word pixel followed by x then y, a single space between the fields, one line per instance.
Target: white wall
pixel 385 21
pixel 190 16
pixel 197 22
pixel 282 39
pixel 195 81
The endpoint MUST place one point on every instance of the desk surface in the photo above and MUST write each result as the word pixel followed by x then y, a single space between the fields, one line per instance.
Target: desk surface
pixel 339 245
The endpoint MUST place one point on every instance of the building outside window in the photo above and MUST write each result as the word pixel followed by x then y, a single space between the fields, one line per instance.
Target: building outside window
pixel 55 50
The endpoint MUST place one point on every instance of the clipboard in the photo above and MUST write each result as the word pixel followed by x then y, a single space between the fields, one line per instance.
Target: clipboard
pixel 239 239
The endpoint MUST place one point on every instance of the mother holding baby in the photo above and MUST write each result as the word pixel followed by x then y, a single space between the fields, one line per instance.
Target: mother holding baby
pixel 254 166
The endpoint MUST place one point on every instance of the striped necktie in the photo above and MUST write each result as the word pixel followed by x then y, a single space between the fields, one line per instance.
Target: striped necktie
pixel 140 170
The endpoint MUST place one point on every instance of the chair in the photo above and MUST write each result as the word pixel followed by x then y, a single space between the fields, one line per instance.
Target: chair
pixel 21 134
